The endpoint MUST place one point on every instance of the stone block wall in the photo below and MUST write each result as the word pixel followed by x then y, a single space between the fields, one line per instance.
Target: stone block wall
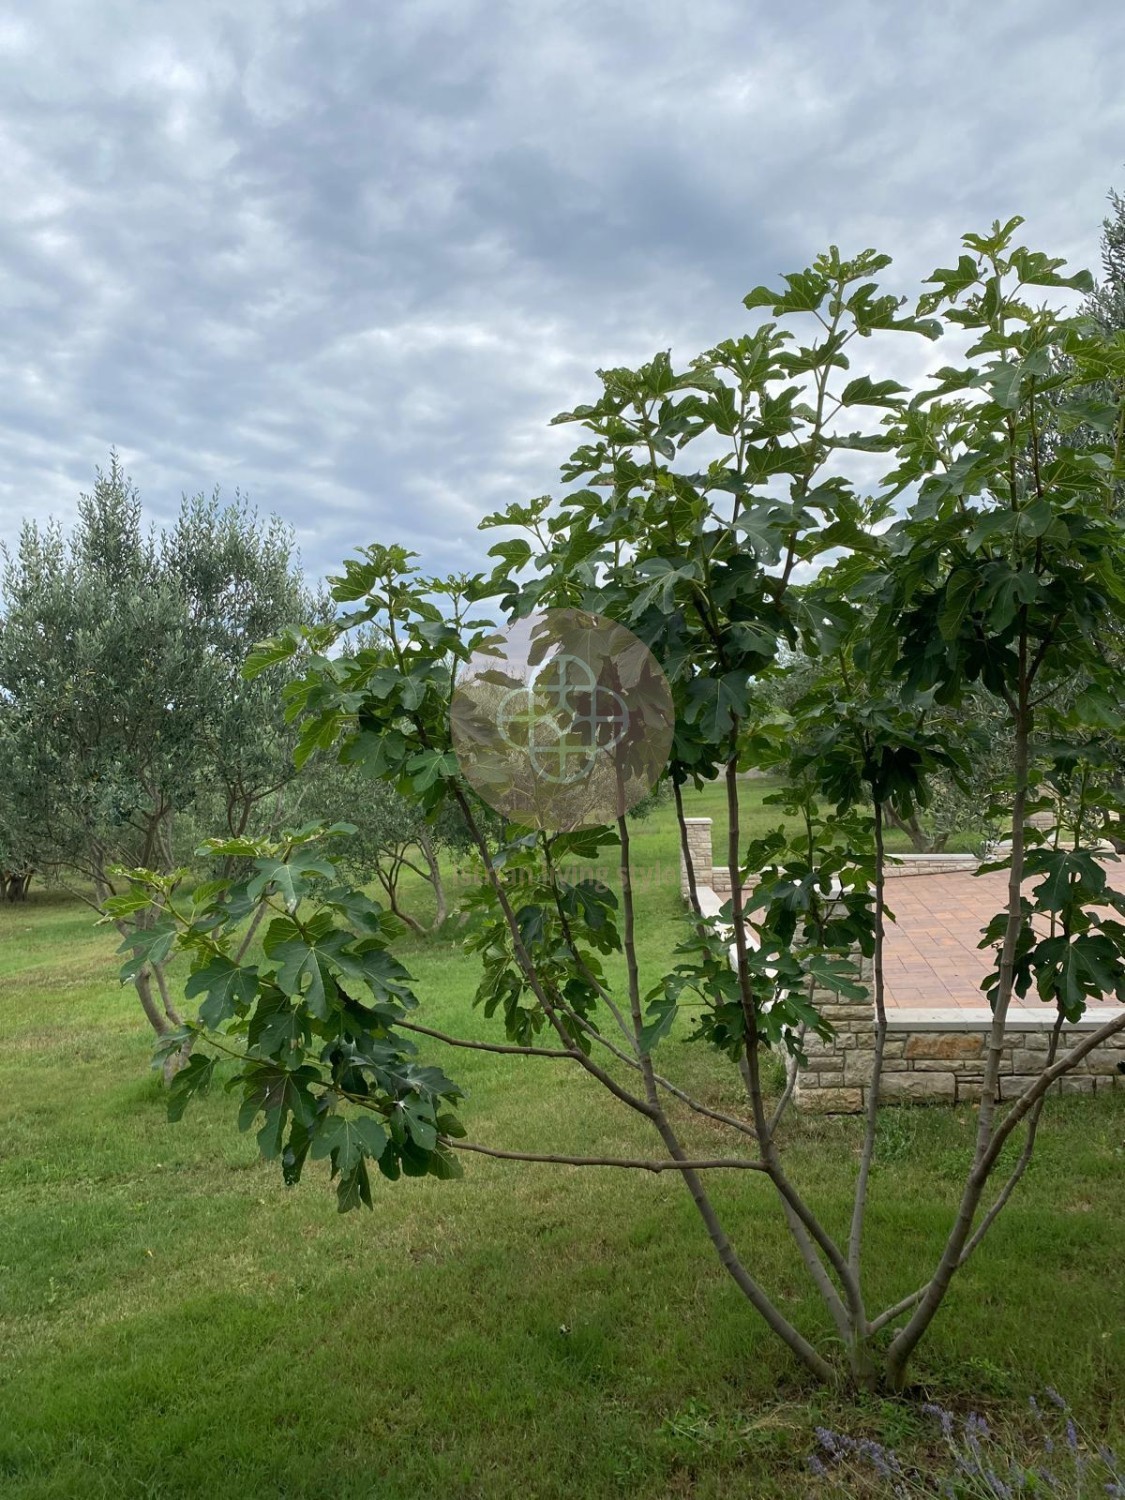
pixel 699 851
pixel 939 1060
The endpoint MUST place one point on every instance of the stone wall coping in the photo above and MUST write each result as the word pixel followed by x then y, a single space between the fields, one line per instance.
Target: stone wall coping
pixel 934 859
pixel 1019 1018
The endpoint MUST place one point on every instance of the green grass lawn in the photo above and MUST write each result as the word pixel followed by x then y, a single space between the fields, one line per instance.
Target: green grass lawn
pixel 175 1322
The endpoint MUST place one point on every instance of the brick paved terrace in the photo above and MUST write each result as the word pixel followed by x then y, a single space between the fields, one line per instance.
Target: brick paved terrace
pixel 931 961
pixel 939 1021
pixel 931 958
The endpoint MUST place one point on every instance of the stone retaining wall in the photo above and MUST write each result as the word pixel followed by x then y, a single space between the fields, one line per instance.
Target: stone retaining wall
pixel 940 1059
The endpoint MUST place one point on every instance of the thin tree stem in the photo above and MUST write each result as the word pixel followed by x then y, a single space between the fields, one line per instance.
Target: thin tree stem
pixel 685 851
pixel 527 967
pixel 459 1041
pixel 749 1065
pixel 859 1207
pixel 248 935
pixel 986 1149
pixel 659 1164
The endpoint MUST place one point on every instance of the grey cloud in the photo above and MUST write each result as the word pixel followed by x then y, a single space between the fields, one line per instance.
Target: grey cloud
pixel 352 259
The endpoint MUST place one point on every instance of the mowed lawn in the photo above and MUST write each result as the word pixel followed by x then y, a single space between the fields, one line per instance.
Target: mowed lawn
pixel 175 1322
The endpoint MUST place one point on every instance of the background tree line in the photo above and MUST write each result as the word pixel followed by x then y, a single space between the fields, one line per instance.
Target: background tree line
pixel 127 730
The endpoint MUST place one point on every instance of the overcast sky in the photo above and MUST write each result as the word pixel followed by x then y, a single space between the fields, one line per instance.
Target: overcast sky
pixel 351 258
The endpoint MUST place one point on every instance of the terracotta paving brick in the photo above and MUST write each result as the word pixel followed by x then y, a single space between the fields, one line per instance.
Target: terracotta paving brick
pixel 931 963
pixel 931 956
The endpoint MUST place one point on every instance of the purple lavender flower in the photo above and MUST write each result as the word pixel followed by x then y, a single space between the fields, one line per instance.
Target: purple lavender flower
pixel 973 1443
pixel 830 1442
pixel 943 1416
pixel 885 1464
pixel 980 1464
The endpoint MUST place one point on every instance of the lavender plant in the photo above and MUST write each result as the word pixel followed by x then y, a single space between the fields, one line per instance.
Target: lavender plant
pixel 1058 1460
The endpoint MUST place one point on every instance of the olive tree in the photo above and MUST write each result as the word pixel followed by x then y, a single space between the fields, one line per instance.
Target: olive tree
pixel 392 839
pixel 126 726
pixel 980 563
